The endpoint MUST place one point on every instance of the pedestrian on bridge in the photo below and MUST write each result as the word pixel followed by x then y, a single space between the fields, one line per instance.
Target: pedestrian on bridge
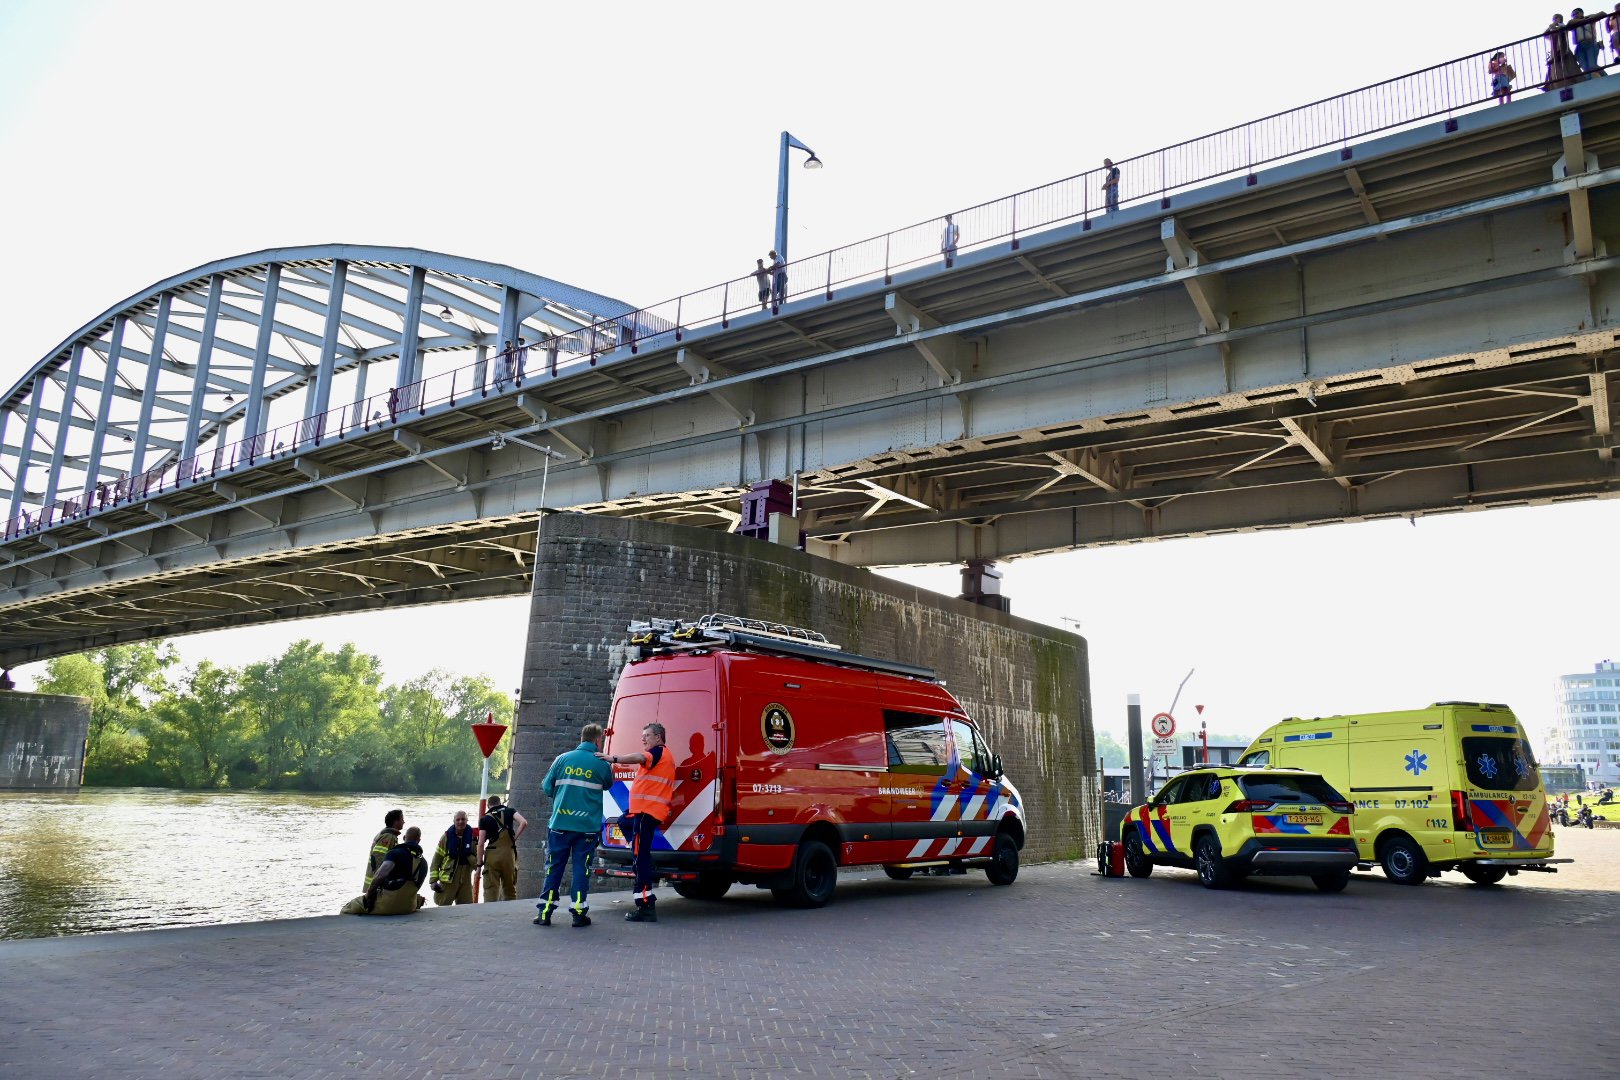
pixel 574 784
pixel 762 278
pixel 1583 32
pixel 522 358
pixel 497 849
pixel 948 239
pixel 1110 184
pixel 1562 70
pixel 1502 76
pixel 778 279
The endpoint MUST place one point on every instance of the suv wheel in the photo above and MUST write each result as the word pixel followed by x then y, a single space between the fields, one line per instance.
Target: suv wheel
pixel 1003 868
pixel 1137 863
pixel 815 876
pixel 1212 873
pixel 1403 861
pixel 1483 875
pixel 1334 881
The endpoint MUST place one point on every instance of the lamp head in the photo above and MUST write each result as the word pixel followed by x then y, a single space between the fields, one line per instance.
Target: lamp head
pixel 812 162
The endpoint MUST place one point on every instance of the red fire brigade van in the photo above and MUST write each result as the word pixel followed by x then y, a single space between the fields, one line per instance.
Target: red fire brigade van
pixel 794 757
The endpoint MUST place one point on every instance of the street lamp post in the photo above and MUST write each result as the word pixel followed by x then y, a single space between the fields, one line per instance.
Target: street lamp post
pixel 813 162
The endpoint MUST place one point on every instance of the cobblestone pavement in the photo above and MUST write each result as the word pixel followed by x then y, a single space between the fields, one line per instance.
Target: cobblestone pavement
pixel 1063 974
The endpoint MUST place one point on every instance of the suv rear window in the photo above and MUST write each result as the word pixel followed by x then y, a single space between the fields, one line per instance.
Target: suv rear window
pixel 1500 763
pixel 1275 787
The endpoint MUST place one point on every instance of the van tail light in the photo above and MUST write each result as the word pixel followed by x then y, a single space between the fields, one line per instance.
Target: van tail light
pixel 1459 812
pixel 1340 807
pixel 1249 806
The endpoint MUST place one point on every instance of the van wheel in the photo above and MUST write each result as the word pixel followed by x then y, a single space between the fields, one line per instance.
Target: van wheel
pixel 898 873
pixel 1137 864
pixel 1331 882
pixel 706 887
pixel 1483 875
pixel 1212 873
pixel 1403 861
pixel 1003 868
pixel 815 876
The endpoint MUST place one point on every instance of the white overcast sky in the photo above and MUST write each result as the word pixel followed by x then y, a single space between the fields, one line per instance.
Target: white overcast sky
pixel 630 148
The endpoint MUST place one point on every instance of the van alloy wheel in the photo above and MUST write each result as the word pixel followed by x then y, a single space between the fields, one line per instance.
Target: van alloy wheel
pixel 1403 861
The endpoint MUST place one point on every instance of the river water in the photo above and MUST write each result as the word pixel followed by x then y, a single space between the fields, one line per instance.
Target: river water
pixel 137 858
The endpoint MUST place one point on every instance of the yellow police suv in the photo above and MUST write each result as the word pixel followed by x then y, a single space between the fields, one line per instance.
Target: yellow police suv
pixel 1230 822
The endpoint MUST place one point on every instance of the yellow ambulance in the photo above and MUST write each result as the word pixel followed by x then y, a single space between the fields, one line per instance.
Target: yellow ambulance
pixel 1451 787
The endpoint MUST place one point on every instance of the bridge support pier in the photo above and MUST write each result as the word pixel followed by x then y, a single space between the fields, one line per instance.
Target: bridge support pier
pixel 42 741
pixel 1027 685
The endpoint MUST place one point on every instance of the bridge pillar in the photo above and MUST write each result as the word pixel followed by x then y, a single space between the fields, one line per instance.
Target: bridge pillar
pixel 42 741
pixel 1027 685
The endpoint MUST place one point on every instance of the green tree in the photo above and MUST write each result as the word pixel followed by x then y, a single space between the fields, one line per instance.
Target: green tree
pixel 428 744
pixel 122 682
pixel 197 731
pixel 314 714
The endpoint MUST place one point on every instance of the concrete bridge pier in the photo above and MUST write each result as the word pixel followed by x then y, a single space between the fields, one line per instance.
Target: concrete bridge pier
pixel 1027 685
pixel 42 741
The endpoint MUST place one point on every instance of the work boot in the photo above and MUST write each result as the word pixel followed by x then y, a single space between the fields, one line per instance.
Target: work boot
pixel 581 919
pixel 542 920
pixel 642 914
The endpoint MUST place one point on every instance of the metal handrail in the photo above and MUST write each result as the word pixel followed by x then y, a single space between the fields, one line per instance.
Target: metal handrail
pixel 1453 87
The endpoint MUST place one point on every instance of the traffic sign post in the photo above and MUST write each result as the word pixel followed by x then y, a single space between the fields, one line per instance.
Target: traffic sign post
pixel 489 735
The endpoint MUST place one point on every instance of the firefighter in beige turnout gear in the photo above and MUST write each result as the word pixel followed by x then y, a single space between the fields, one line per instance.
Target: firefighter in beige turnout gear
pixel 499 830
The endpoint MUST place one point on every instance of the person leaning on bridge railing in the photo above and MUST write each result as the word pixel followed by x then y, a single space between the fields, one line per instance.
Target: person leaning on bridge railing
pixel 1562 70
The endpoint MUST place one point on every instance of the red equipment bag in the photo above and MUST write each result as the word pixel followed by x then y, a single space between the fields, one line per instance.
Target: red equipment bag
pixel 1111 858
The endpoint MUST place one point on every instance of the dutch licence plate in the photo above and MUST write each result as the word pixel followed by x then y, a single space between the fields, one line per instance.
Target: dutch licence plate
pixel 1304 819
pixel 1496 836
pixel 616 835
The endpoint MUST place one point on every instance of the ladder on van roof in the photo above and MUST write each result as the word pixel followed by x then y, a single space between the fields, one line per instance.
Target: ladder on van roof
pixel 758 635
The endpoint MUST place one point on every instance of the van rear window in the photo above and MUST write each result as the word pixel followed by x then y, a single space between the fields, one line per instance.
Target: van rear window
pixel 1276 787
pixel 1499 763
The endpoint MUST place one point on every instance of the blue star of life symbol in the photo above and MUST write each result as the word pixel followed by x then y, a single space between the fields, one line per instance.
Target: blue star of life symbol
pixel 1416 762
pixel 1487 766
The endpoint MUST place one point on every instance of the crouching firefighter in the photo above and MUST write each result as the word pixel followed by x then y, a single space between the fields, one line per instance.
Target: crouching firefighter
pixel 497 853
pixel 575 784
pixel 396 886
pixel 652 795
pixel 451 874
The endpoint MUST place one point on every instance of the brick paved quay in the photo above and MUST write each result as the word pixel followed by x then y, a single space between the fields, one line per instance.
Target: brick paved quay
pixel 1063 974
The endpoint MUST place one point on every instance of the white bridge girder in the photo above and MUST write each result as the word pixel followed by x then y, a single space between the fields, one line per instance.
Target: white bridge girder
pixel 1216 371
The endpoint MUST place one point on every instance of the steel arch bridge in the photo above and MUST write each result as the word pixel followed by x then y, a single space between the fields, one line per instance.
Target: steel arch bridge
pixel 1418 323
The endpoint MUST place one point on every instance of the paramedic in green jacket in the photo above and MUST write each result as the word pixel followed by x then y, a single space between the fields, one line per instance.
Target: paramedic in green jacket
pixel 575 784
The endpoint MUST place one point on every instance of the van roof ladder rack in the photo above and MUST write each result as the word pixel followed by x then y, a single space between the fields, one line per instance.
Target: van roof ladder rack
pixel 758 635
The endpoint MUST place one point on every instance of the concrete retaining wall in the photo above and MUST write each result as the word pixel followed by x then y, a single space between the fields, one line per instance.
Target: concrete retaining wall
pixel 42 741
pixel 1027 685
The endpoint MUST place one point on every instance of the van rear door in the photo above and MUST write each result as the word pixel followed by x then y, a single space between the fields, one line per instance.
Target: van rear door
pixel 679 693
pixel 1507 805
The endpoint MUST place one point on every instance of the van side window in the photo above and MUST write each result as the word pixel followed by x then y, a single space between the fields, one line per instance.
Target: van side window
pixel 916 741
pixel 970 748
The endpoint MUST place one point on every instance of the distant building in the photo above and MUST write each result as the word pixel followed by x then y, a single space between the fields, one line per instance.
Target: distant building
pixel 1586 730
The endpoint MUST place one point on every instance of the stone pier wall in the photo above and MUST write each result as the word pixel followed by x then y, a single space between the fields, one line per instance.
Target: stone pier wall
pixel 42 741
pixel 1027 685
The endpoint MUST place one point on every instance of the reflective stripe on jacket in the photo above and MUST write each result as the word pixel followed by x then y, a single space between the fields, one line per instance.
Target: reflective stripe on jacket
pixel 653 791
pixel 575 783
pixel 379 853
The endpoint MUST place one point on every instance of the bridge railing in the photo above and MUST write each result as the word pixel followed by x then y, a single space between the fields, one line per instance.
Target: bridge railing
pixel 1447 89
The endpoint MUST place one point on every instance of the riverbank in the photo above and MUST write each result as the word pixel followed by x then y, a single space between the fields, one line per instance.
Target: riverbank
pixel 946 976
pixel 113 859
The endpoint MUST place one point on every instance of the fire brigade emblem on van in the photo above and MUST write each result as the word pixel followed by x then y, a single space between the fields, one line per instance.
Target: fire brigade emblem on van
pixel 776 725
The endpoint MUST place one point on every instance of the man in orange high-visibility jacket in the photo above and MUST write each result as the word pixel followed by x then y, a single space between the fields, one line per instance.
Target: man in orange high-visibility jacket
pixel 652 794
